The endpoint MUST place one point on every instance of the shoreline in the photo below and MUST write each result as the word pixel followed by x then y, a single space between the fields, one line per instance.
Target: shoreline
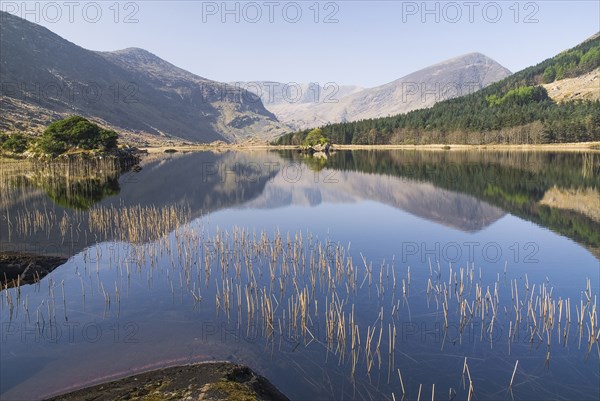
pixel 575 146
pixel 551 147
pixel 593 147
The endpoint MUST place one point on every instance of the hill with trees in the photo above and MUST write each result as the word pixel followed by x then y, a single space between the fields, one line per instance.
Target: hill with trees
pixel 515 110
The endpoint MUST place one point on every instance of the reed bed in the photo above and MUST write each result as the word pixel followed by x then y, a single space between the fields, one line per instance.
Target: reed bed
pixel 74 177
pixel 296 286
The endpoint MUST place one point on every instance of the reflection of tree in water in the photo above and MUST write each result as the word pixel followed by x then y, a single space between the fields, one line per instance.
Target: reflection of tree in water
pixel 73 184
pixel 315 163
pixel 82 194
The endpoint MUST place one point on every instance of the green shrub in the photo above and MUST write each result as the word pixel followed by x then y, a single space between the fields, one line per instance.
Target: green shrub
pixel 549 75
pixel 315 137
pixel 520 96
pixel 76 132
pixel 591 59
pixel 16 143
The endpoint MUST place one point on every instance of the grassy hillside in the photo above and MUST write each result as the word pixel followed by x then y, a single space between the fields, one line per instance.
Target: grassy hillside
pixel 516 109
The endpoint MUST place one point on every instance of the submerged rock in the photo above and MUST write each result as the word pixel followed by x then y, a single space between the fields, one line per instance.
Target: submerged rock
pixel 25 268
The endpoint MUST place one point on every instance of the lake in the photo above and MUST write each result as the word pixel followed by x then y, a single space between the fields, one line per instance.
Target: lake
pixel 370 275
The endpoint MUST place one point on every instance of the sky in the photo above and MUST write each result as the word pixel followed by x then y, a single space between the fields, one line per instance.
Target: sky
pixel 365 43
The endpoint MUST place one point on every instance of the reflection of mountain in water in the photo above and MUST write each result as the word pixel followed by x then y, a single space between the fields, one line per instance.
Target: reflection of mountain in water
pixel 203 181
pixel 467 191
pixel 559 191
pixel 424 200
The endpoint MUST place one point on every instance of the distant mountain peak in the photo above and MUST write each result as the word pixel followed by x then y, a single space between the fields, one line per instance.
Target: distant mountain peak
pixel 477 55
pixel 453 77
pixel 140 60
pixel 135 50
pixel 136 55
pixel 469 59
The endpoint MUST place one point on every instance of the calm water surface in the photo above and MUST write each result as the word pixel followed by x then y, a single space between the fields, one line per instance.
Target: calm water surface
pixel 273 259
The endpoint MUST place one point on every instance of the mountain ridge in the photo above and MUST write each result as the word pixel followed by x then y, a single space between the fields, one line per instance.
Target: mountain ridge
pixel 45 77
pixel 135 90
pixel 420 89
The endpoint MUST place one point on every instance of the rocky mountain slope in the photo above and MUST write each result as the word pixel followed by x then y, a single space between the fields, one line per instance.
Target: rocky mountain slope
pixel 421 89
pixel 583 87
pixel 45 77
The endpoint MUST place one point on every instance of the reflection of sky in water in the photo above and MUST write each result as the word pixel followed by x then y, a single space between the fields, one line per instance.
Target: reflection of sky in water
pixel 381 232
pixel 157 322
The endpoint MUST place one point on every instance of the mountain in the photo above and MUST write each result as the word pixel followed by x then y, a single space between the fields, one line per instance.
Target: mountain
pixel 316 106
pixel 296 104
pixel 275 94
pixel 517 109
pixel 45 77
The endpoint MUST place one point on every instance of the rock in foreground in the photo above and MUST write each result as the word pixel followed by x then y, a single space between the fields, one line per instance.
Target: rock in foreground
pixel 214 381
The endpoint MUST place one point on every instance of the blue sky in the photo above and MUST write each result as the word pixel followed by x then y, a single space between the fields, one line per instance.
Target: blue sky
pixel 346 42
